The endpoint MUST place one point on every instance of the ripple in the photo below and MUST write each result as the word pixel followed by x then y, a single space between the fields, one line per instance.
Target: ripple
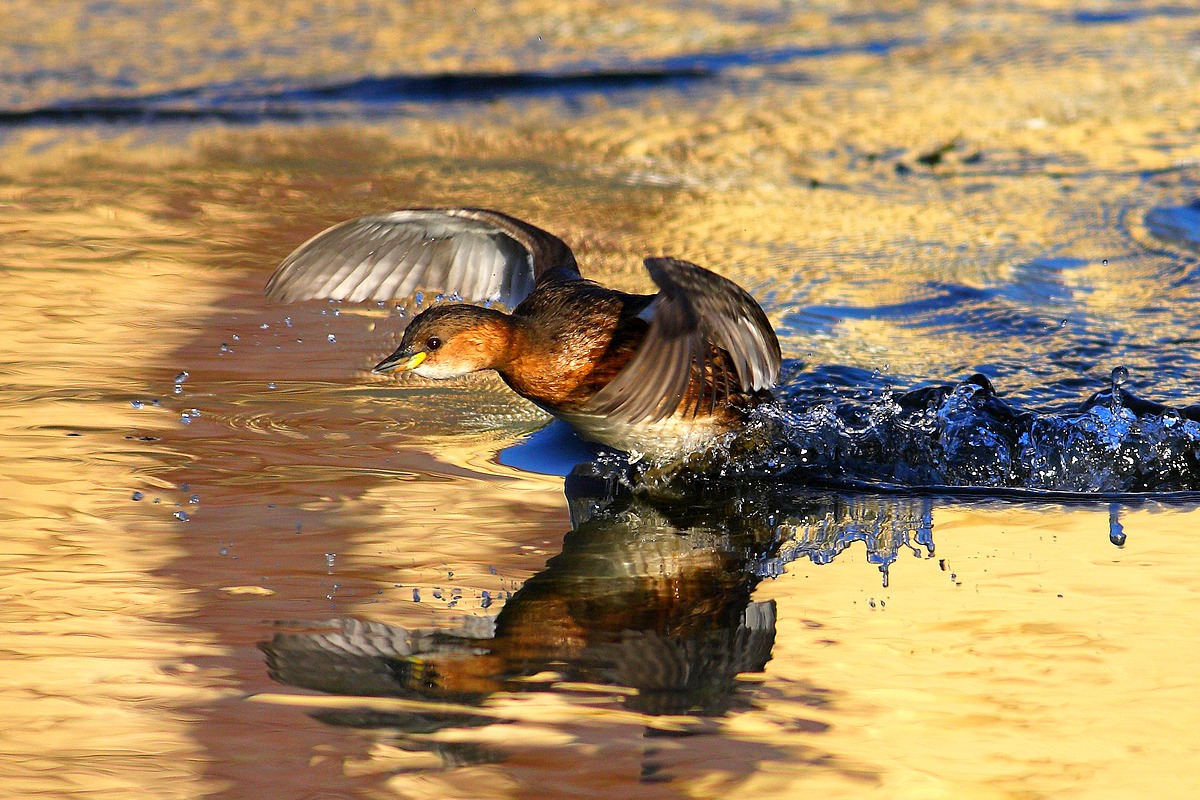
pixel 252 100
pixel 1177 225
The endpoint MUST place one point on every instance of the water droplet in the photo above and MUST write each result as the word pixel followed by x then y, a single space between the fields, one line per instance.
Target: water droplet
pixel 331 338
pixel 299 526
pixel 137 404
pixel 138 495
pixel 181 377
pixel 416 595
pixel 194 499
pixel 1104 262
pixel 181 516
pixel 271 385
pixel 287 321
pixel 179 388
pixel 1116 531
pixel 1119 377
pixel 486 601
pixel 237 338
pixel 185 420
pixel 223 550
pixel 224 347
pixel 329 559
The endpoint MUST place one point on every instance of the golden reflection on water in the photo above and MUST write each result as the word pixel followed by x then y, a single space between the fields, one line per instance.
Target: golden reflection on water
pixel 1027 657
pixel 96 677
pixel 1031 665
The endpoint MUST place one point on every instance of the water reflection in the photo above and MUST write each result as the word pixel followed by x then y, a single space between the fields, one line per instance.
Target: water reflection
pixel 648 601
pixel 1054 241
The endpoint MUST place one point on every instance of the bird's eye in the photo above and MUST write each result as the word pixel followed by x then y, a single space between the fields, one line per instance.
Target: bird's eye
pixel 433 343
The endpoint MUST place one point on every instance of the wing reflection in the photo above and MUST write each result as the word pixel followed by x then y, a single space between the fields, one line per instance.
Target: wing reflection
pixel 650 597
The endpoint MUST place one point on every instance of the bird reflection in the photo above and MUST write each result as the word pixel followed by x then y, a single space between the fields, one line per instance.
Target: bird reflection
pixel 651 595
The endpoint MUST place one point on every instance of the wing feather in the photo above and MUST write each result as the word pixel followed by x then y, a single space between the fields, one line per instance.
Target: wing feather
pixel 475 253
pixel 708 340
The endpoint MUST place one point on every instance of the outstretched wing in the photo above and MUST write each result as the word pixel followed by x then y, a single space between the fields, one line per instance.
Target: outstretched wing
pixel 708 340
pixel 473 253
pixel 360 657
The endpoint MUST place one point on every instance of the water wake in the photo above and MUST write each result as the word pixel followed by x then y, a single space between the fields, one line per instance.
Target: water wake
pixel 966 436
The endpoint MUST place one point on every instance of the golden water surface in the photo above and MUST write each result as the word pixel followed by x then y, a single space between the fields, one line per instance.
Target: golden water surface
pixel 156 528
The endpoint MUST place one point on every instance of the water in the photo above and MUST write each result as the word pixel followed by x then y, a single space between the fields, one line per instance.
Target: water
pixel 237 564
pixel 964 436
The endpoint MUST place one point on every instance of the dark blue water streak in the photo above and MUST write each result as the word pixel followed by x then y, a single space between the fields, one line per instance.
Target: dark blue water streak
pixel 368 96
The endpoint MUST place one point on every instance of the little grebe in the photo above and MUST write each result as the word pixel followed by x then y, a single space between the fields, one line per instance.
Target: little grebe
pixel 661 374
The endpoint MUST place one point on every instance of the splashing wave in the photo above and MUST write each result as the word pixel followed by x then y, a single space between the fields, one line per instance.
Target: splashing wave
pixel 967 436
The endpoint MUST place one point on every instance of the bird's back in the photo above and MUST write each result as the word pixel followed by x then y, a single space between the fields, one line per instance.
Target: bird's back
pixel 578 336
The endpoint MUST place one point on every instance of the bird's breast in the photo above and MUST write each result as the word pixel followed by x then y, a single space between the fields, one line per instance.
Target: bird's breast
pixel 667 438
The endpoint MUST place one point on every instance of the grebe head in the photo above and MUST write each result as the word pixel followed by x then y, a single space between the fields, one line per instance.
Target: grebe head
pixel 451 340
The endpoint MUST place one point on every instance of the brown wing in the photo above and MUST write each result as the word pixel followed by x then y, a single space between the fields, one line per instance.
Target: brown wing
pixel 708 340
pixel 475 254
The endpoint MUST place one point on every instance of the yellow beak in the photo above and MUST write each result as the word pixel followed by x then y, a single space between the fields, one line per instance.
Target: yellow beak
pixel 399 361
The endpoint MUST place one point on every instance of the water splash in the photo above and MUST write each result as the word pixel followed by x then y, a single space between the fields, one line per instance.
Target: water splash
pixel 966 435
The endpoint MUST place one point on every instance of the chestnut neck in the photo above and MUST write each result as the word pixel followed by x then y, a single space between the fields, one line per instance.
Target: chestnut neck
pixel 496 336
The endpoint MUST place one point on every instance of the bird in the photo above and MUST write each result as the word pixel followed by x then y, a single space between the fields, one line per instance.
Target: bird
pixel 654 375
